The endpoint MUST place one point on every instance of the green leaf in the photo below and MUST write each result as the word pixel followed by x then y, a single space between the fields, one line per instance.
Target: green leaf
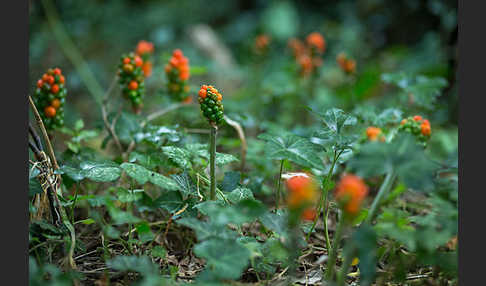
pixel 276 222
pixel 184 183
pixel 294 148
pixel 231 181
pixel 143 175
pixel 126 127
pixel 240 194
pixel 403 155
pixel 159 251
pixel 226 259
pixel 141 264
pixel 86 221
pixel 221 158
pixel 179 156
pixel 144 232
pixel 79 124
pixel 170 201
pixel 127 196
pixel 34 187
pixel 334 132
pixel 106 171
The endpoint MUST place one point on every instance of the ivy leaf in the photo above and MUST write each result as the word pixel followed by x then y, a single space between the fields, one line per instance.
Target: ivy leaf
pixel 157 135
pixel 179 156
pixel 226 259
pixel 292 147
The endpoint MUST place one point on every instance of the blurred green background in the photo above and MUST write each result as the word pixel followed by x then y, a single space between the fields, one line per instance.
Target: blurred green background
pixel 418 37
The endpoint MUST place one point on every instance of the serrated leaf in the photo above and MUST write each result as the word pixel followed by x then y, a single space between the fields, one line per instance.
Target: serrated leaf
pixel 240 194
pixel 179 156
pixel 100 171
pixel 294 148
pixel 143 175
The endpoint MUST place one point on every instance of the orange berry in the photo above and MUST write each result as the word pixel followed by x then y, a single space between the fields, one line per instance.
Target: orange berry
pixel 133 85
pixel 297 47
pixel 302 191
pixel 202 93
pixel 426 122
pixel 144 47
pixel 417 118
pixel 57 71
pixel 55 88
pixel 373 132
pixel 187 100
pixel 309 214
pixel 204 86
pixel 177 53
pixel 316 40
pixel 45 77
pixel 61 79
pixel 56 103
pixel 167 68
pixel 184 75
pixel 40 83
pixel 350 192
pixel 50 79
pixel 174 62
pixel 126 60
pixel 128 68
pixel 147 69
pixel 220 97
pixel 425 129
pixel 50 111
pixel 138 61
pixel 403 121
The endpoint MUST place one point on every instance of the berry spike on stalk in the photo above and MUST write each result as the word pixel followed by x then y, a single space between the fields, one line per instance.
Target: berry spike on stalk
pixel 212 108
pixel 177 71
pixel 50 97
pixel 418 126
pixel 131 78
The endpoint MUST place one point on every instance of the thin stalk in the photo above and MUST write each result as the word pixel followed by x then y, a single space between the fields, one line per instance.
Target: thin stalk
pixel 212 161
pixel 323 200
pixel 348 258
pixel 331 263
pixel 384 188
pixel 277 194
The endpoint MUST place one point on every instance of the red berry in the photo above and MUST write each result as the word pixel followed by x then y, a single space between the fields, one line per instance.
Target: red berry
pixel 55 88
pixel 138 61
pixel 57 71
pixel 133 85
pixel 50 111
pixel 40 83
pixel 61 79
pixel 126 60
pixel 50 79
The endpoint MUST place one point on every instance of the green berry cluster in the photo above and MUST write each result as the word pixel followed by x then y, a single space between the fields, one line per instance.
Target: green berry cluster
pixel 50 97
pixel 131 78
pixel 417 126
pixel 211 106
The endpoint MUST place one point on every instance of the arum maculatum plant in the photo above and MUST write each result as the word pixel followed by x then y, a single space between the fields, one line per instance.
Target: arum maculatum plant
pixel 49 98
pixel 131 78
pixel 211 104
pixel 418 127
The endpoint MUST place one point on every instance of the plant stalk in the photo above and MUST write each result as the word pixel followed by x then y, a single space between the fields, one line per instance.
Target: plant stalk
pixel 331 263
pixel 277 194
pixel 212 160
pixel 384 188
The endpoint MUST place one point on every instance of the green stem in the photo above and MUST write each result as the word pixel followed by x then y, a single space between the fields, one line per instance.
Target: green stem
pixel 348 258
pixel 385 187
pixel 331 263
pixel 323 200
pixel 277 194
pixel 212 160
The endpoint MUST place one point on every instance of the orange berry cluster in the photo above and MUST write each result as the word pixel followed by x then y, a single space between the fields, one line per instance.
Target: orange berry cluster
pixel 350 193
pixel 347 64
pixel 177 71
pixel 211 106
pixel 49 98
pixel 374 133
pixel 302 195
pixel 261 44
pixel 145 49
pixel 308 55
pixel 417 126
pixel 131 79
